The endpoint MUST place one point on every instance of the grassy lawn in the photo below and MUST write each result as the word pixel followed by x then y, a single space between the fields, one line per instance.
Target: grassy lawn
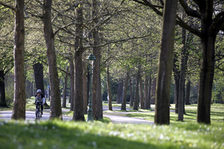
pixel 217 114
pixel 58 134
pixel 106 135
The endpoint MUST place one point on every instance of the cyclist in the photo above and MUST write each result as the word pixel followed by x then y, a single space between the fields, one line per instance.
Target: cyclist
pixel 39 98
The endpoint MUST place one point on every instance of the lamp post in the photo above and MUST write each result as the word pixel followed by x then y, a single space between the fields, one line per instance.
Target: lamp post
pixel 91 58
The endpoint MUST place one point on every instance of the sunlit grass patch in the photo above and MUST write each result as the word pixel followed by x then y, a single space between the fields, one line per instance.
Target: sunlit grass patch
pixel 59 134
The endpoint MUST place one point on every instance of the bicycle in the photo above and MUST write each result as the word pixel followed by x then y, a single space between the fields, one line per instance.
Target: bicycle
pixel 38 111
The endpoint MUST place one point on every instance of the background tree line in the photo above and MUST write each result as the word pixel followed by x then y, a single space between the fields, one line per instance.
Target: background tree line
pixel 125 37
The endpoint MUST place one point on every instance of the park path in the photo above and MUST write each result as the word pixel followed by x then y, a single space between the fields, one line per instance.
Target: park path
pixel 115 117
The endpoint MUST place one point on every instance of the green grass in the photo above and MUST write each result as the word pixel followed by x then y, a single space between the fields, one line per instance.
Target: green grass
pixel 81 135
pixel 106 135
pixel 217 114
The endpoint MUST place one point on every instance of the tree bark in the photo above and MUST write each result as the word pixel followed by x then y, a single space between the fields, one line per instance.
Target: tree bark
pixel 78 105
pixel 176 80
pixel 39 77
pixel 123 106
pixel 109 90
pixel 206 79
pixel 136 99
pixel 78 114
pixel 55 102
pixel 120 91
pixel 97 101
pixel 141 93
pixel 72 83
pixel 2 89
pixel 184 58
pixel 19 76
pixel 188 91
pixel 147 91
pixel 131 93
pixel 162 111
pixel 65 89
pixel 85 90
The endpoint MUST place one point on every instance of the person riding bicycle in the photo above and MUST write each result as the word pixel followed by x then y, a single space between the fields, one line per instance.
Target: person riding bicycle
pixel 39 99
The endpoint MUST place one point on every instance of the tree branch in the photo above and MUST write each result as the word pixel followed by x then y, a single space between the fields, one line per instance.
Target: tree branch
pixel 183 24
pixel 179 21
pixel 218 23
pixel 153 7
pixel 62 28
pixel 7 6
pixel 189 11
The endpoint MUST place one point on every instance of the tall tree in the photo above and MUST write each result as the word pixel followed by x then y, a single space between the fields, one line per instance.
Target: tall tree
pixel 120 91
pixel 162 111
pixel 2 89
pixel 136 98
pixel 211 22
pixel 55 104
pixel 109 89
pixel 78 103
pixel 85 88
pixel 141 93
pixel 65 88
pixel 131 92
pixel 188 90
pixel 19 76
pixel 97 100
pixel 72 82
pixel 147 91
pixel 124 98
pixel 176 72
pixel 184 58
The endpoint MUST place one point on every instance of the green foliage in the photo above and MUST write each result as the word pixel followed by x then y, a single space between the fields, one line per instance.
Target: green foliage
pixel 9 88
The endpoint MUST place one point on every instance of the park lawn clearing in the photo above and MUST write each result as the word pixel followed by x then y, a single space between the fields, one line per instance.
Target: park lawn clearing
pixel 106 135
pixel 82 135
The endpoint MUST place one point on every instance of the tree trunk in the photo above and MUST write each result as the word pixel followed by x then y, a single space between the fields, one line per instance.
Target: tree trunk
pixel 72 82
pixel 131 93
pixel 188 90
pixel 123 106
pixel 65 89
pixel 147 91
pixel 19 76
pixel 176 80
pixel 55 103
pixel 141 93
pixel 184 58
pixel 119 92
pixel 136 99
pixel 97 101
pixel 162 110
pixel 206 79
pixel 78 104
pixel 39 77
pixel 109 90
pixel 85 90
pixel 2 89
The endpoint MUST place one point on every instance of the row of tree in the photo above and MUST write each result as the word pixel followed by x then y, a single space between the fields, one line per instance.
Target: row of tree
pixel 124 37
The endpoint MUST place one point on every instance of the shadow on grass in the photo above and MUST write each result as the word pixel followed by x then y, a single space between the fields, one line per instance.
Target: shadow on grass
pixel 50 135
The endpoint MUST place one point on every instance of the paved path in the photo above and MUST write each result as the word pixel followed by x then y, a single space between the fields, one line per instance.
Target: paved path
pixel 126 120
pixel 30 116
pixel 116 117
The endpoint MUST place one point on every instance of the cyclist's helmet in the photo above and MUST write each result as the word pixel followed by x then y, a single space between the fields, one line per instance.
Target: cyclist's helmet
pixel 39 91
